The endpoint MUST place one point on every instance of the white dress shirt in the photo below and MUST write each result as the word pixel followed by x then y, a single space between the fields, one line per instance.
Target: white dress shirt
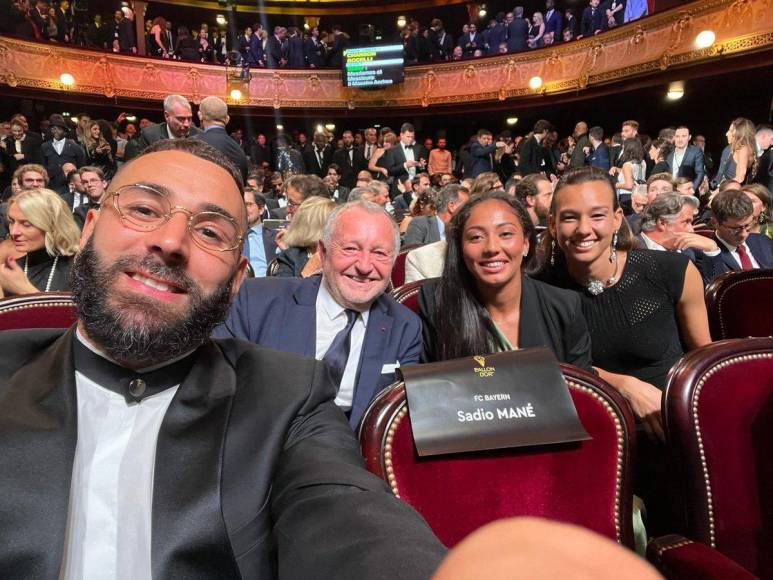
pixel 331 319
pixel 678 158
pixel 109 525
pixel 58 145
pixel 734 252
pixel 409 156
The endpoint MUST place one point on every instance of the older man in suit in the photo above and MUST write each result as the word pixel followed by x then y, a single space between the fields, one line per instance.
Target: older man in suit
pixel 213 115
pixel 432 228
pixel 343 318
pixel 686 160
pixel 178 124
pixel 517 32
pixel 738 248
pixel 133 446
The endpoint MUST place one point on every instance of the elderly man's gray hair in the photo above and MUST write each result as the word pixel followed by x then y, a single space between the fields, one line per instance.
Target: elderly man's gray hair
pixel 667 207
pixel 171 100
pixel 367 206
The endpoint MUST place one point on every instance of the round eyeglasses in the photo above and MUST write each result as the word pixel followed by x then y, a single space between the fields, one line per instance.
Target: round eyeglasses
pixel 143 208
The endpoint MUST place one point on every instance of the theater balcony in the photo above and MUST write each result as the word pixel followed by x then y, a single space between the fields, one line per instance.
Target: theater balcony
pixel 656 49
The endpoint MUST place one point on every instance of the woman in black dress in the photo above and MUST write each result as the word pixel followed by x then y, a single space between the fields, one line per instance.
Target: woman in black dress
pixel 42 228
pixel 186 47
pixel 483 303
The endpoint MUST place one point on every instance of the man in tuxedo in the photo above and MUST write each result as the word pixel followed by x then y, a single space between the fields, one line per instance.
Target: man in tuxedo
pixel 275 55
pixel 405 158
pixel 629 130
pixel 178 124
pixel 343 318
pixel 432 228
pixel 213 115
pixel 593 20
pixel 58 151
pixel 313 50
pixel 517 32
pixel 370 144
pixel 20 147
pixel 581 146
pixel 94 186
pixel 260 248
pixel 350 160
pixel 340 42
pixel 132 441
pixel 319 156
pixel 686 160
pixel 471 41
pixel 496 34
pixel 598 155
pixel 532 156
pixel 127 38
pixel 553 21
pixel 338 192
pixel 732 218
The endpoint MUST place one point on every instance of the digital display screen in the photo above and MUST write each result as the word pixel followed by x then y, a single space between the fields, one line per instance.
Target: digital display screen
pixel 373 66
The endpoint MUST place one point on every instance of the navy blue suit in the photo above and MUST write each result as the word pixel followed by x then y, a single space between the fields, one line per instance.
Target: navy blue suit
pixel 280 313
pixel 554 24
pixel 269 244
pixel 481 160
pixel 599 157
pixel 761 247
pixel 692 166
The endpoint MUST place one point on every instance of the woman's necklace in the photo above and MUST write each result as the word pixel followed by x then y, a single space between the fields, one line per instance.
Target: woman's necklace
pixel 50 274
pixel 595 286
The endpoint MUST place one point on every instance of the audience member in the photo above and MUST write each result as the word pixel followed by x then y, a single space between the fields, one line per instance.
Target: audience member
pixel 667 226
pixel 532 158
pixel 58 151
pixel 739 158
pixel 301 239
pixel 686 160
pixel 432 228
pixel 660 150
pixel 259 245
pixel 599 155
pixel 98 151
pixel 632 168
pixel 535 192
pixel 20 147
pixel 213 114
pixel 763 139
pixel 761 204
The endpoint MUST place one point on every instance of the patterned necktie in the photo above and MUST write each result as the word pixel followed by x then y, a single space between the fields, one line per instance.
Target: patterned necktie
pixel 743 255
pixel 338 354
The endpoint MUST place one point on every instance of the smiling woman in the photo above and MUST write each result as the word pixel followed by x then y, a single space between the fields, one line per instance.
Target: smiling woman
pixel 42 228
pixel 483 303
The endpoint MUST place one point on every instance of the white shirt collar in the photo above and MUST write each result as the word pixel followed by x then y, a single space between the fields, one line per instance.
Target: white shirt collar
pixel 332 308
pixel 652 244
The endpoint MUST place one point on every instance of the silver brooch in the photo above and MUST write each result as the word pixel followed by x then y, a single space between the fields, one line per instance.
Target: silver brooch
pixel 595 287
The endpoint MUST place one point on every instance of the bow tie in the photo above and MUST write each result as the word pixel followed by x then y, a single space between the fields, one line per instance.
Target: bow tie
pixel 408 147
pixel 133 385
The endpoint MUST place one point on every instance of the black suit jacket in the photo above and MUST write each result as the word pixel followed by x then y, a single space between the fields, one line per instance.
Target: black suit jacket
pixel 550 317
pixel 764 173
pixel 517 35
pixel 149 135
pixel 227 145
pixel 126 35
pixel 761 247
pixel 394 158
pixel 274 53
pixel 53 161
pixel 349 168
pixel 257 472
pixel 692 165
pixel 311 161
pixel 336 54
pixel 532 155
pixel 591 22
pixel 30 148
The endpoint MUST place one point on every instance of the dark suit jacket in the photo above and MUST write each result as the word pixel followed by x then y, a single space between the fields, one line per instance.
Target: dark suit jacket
pixel 349 168
pixel 151 134
pixel 761 247
pixel 256 471
pixel 480 158
pixel 274 53
pixel 336 54
pixel 572 24
pixel 764 173
pixel 223 142
pixel 555 24
pixel 312 53
pixel 599 157
pixel 422 230
pixel 126 35
pixel 591 22
pixel 52 161
pixel 517 35
pixel 269 245
pixel 280 313
pixel 531 158
pixel 578 155
pixel 470 45
pixel 394 158
pixel 311 161
pixel 30 148
pixel 692 165
pixel 550 317
pixel 254 50
pixel 496 36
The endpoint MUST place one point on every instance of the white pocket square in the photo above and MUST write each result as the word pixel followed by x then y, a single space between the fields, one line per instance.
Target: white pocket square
pixel 390 368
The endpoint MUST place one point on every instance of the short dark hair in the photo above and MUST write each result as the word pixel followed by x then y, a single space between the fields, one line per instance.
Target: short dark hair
pixel 405 127
pixel 528 186
pixel 308 185
pixel 89 169
pixel 631 123
pixel 731 204
pixel 335 167
pixel 541 126
pixel 200 149
pixel 483 132
pixel 597 133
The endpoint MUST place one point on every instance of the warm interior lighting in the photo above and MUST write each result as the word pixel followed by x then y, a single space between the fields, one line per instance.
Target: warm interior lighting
pixel 401 22
pixel 512 121
pixel 675 91
pixel 67 79
pixel 705 39
pixel 482 13
pixel 131 118
pixel 221 19
pixel 320 128
pixel 330 126
pixel 280 127
pixel 535 82
pixel 236 94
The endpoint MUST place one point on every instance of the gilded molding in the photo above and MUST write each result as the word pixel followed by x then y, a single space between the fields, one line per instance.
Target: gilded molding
pixel 660 42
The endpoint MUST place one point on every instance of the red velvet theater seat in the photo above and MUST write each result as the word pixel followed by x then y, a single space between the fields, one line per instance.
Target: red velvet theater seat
pixel 43 310
pixel 739 304
pixel 586 483
pixel 398 270
pixel 719 420
pixel 408 294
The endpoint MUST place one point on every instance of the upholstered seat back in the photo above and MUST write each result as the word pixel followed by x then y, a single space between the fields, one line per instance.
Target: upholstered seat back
pixel 398 270
pixel 739 302
pixel 408 294
pixel 719 420
pixel 43 310
pixel 586 483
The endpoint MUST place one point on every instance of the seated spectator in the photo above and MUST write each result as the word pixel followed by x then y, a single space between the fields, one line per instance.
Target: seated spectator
pixel 684 185
pixel 260 248
pixel 363 178
pixel 94 185
pixel 667 226
pixel 485 182
pixel 424 204
pixel 535 193
pixel 657 184
pixel 761 202
pixel 733 218
pixel 432 228
pixel 483 303
pixel 20 147
pixel 300 257
pixel 42 228
pixel 358 248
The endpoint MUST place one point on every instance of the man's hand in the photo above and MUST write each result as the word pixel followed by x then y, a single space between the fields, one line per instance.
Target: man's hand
pixel 686 240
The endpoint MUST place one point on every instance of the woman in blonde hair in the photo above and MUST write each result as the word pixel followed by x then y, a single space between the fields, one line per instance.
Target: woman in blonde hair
pixel 739 159
pixel 99 153
pixel 45 235
pixel 300 259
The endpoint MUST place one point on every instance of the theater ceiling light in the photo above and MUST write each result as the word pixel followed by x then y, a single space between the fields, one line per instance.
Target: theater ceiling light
pixel 67 79
pixel 131 118
pixel 535 82
pixel 280 127
pixel 221 20
pixel 482 13
pixel 330 126
pixel 401 22
pixel 675 91
pixel 236 94
pixel 512 121
pixel 705 39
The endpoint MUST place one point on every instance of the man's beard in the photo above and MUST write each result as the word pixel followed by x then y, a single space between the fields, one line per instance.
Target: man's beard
pixel 137 330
